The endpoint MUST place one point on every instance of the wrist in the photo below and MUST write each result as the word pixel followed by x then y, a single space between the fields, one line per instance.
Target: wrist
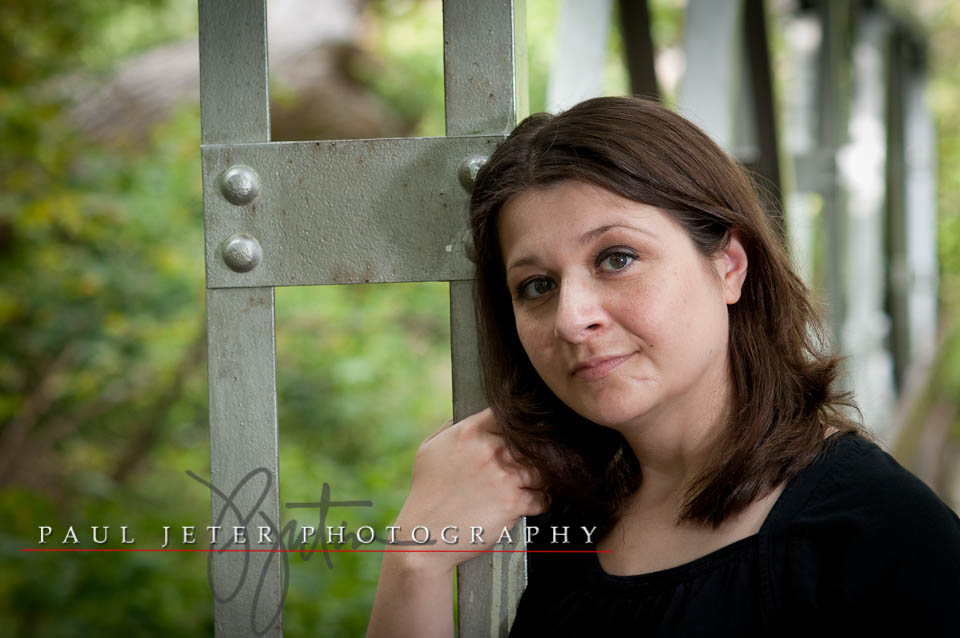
pixel 414 598
pixel 419 564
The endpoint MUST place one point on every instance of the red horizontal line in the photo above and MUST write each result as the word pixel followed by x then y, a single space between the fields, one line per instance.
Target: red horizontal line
pixel 333 551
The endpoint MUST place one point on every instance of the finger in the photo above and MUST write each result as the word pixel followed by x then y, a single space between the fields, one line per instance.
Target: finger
pixel 529 477
pixel 534 502
pixel 525 473
pixel 488 423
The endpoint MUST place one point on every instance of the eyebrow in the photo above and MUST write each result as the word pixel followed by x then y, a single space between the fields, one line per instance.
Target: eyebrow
pixel 585 238
pixel 590 234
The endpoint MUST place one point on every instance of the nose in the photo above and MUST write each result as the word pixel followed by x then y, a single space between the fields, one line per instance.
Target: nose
pixel 580 313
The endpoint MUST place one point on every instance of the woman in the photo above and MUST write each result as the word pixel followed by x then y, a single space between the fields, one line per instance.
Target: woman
pixel 655 371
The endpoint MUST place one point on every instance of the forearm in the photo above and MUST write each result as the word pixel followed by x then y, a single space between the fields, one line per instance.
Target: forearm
pixel 412 600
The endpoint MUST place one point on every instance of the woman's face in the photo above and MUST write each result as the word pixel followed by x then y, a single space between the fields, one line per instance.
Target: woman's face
pixel 624 320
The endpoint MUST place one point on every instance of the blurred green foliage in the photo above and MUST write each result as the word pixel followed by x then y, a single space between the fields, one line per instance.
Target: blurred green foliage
pixel 102 382
pixel 102 347
pixel 101 387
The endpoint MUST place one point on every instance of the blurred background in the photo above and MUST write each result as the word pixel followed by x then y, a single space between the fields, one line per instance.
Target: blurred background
pixel 102 348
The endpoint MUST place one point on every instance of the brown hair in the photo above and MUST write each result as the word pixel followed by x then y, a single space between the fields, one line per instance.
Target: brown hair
pixel 783 399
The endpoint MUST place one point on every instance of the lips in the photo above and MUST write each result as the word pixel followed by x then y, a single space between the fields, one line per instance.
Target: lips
pixel 598 367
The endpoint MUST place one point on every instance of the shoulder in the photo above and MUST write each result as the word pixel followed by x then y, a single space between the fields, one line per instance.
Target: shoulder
pixel 856 484
pixel 864 533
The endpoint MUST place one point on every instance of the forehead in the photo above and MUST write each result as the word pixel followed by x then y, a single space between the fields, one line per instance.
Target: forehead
pixel 571 211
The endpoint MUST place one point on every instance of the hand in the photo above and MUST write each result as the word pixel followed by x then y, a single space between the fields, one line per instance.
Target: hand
pixel 463 476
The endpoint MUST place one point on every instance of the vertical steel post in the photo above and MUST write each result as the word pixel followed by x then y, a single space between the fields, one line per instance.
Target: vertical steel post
pixel 727 89
pixel 485 86
pixel 638 48
pixel 863 172
pixel 709 89
pixel 241 341
pixel 803 34
pixel 576 72
pixel 912 213
pixel 921 207
pixel 759 102
pixel 833 111
pixel 895 221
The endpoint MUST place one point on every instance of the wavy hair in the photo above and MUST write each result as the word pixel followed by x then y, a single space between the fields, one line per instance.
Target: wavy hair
pixel 783 398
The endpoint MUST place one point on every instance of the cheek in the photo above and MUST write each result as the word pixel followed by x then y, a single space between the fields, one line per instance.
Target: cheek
pixel 648 311
pixel 699 326
pixel 669 312
pixel 534 338
pixel 525 330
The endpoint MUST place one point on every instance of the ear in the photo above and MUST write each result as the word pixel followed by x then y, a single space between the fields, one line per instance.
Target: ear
pixel 732 267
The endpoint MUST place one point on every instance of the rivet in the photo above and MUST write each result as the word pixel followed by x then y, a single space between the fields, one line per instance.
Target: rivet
pixel 240 184
pixel 466 238
pixel 241 252
pixel 469 169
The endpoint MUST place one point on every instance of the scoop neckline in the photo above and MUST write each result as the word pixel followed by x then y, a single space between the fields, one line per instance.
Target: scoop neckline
pixel 682 571
pixel 788 499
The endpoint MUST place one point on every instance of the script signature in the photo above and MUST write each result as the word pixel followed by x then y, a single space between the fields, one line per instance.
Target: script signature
pixel 234 568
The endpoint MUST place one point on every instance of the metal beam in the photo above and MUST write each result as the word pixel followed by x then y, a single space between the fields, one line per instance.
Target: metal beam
pixel 895 217
pixel 833 91
pixel 713 49
pixel 758 95
pixel 576 72
pixel 727 88
pixel 247 587
pixel 342 212
pixel 234 98
pixel 803 34
pixel 863 171
pixel 485 62
pixel 484 66
pixel 921 206
pixel 638 48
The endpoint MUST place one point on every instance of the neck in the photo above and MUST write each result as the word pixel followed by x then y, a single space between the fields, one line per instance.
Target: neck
pixel 677 442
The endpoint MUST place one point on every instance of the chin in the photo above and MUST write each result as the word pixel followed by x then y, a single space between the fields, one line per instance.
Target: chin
pixel 614 406
pixel 613 419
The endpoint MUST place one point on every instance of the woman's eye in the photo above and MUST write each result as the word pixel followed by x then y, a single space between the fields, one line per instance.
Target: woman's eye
pixel 615 261
pixel 535 287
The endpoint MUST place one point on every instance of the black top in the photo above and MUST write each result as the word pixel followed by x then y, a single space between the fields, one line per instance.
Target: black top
pixel 856 545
